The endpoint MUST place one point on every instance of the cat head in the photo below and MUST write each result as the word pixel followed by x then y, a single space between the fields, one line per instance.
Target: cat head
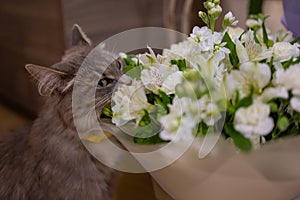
pixel 56 82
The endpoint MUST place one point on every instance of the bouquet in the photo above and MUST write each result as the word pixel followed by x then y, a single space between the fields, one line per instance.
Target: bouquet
pixel 246 81
pixel 227 91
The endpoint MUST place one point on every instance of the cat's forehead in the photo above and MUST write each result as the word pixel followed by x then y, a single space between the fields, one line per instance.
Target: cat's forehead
pixel 72 60
pixel 98 61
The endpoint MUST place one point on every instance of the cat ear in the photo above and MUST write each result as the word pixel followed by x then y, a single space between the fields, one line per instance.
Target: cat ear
pixel 79 37
pixel 49 80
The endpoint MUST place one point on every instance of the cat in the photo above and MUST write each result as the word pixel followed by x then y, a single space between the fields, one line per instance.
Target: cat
pixel 48 160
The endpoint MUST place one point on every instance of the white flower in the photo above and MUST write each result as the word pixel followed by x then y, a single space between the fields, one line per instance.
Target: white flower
pixel 254 121
pixel 129 102
pixel 251 51
pixel 230 19
pixel 250 76
pixel 180 50
pixel 161 77
pixel 295 103
pixel 284 51
pixel 218 44
pixel 185 115
pixel 289 79
pixel 283 36
pixel 212 114
pixel 180 122
pixel 151 59
pixel 274 92
pixel 204 37
pixel 216 10
pixel 235 32
pixel 252 23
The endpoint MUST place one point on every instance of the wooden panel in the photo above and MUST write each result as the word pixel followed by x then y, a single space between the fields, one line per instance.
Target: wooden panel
pixel 101 19
pixel 31 33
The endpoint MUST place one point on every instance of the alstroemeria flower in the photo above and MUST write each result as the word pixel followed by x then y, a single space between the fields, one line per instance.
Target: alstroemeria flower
pixel 284 51
pixel 252 51
pixel 180 122
pixel 274 92
pixel 283 36
pixel 150 59
pixel 161 77
pixel 235 32
pixel 129 103
pixel 250 76
pixel 184 116
pixel 289 81
pixel 254 121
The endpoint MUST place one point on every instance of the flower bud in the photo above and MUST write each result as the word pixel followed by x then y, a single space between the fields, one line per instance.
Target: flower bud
pixel 209 5
pixel 229 20
pixel 203 16
pixel 217 2
pixel 215 11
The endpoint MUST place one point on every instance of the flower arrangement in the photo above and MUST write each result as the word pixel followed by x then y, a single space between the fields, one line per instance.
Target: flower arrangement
pixel 248 79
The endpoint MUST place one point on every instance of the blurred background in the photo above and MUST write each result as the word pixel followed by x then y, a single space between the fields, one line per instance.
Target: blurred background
pixel 38 32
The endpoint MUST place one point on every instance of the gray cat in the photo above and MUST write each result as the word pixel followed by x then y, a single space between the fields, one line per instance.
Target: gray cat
pixel 48 160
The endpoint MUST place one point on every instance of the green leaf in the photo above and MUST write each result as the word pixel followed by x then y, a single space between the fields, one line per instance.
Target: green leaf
pixel 202 129
pixel 265 35
pixel 146 120
pixel 173 62
pixel 181 64
pixel 232 47
pixel 295 40
pixel 244 144
pixel 161 103
pixel 148 134
pixel 244 102
pixel 155 139
pixel 128 59
pixel 165 98
pixel 134 71
pixel 150 97
pixel 287 64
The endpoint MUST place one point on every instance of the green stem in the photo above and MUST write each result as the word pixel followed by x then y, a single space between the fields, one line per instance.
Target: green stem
pixel 212 25
pixel 255 7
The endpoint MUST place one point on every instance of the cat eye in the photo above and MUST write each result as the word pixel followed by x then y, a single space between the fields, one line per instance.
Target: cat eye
pixel 104 82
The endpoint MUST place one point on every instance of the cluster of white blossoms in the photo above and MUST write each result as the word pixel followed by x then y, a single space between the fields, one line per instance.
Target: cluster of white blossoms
pixel 129 103
pixel 249 75
pixel 185 115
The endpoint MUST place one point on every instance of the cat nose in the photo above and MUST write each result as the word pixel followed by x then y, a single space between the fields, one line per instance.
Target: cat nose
pixel 125 79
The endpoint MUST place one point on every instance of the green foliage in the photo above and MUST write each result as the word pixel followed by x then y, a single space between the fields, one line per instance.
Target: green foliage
pixel 232 47
pixel 202 129
pixel 132 69
pixel 181 64
pixel 269 43
pixel 244 144
pixel 255 6
pixel 244 102
pixel 155 139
